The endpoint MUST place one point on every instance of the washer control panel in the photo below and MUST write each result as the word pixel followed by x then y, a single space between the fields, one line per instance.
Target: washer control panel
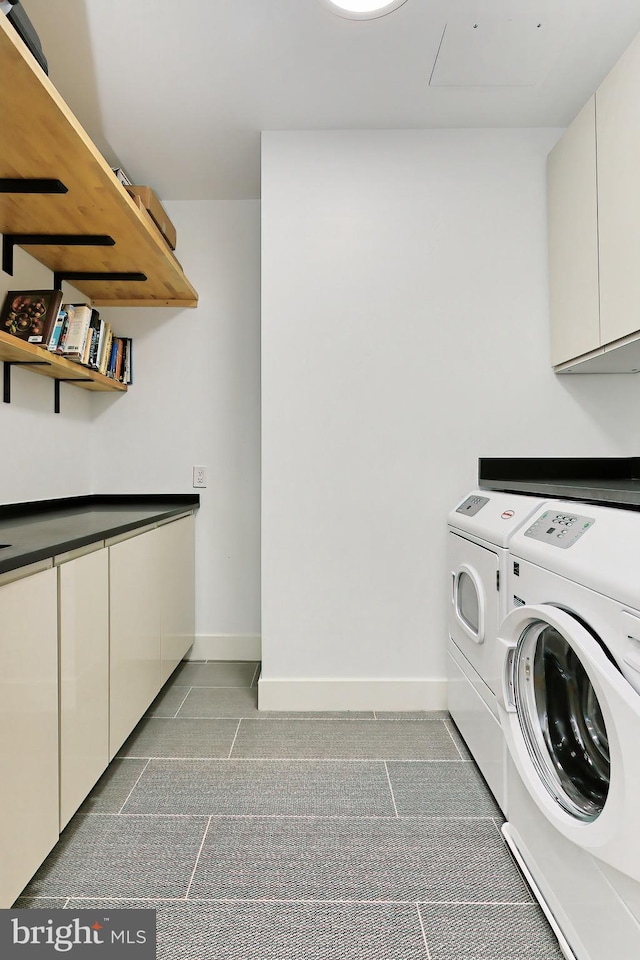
pixel 559 529
pixel 472 505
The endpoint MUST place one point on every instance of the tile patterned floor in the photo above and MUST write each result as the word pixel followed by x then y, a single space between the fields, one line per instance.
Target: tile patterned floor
pixel 282 836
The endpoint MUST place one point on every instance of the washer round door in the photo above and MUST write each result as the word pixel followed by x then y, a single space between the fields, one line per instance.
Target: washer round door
pixel 561 720
pixel 572 724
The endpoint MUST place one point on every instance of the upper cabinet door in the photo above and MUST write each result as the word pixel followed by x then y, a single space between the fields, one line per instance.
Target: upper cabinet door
pixel 573 240
pixel 618 139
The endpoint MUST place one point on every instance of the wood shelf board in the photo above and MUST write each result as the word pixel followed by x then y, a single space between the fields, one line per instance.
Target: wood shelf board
pixel 42 138
pixel 97 302
pixel 14 350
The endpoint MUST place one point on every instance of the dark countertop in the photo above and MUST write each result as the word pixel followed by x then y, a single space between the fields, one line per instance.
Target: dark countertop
pixel 612 481
pixel 47 528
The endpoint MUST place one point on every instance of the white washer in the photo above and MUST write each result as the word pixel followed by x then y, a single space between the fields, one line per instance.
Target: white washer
pixel 479 531
pixel 570 710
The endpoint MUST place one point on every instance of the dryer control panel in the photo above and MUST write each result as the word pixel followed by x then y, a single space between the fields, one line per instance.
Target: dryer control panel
pixel 559 529
pixel 471 505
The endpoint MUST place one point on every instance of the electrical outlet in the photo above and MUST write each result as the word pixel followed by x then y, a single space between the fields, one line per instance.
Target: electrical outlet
pixel 199 476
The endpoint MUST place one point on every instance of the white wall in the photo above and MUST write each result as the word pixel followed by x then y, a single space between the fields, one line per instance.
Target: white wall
pixel 42 454
pixel 405 334
pixel 195 400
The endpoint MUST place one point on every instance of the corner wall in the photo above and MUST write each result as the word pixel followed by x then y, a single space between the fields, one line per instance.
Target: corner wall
pixel 196 401
pixel 404 335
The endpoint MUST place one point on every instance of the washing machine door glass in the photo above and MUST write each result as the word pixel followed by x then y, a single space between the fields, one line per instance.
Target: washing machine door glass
pixel 561 720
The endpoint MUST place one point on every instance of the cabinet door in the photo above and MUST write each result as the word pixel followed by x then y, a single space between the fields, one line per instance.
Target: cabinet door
pixel 618 135
pixel 84 677
pixel 135 605
pixel 177 558
pixel 573 240
pixel 28 729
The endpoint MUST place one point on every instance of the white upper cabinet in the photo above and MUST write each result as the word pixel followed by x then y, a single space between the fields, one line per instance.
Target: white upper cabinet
pixel 573 240
pixel 618 137
pixel 594 230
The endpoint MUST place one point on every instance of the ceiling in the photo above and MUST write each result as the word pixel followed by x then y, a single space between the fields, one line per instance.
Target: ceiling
pixel 177 91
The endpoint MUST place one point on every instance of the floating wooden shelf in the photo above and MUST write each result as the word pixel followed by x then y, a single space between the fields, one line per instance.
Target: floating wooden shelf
pixel 39 360
pixel 41 138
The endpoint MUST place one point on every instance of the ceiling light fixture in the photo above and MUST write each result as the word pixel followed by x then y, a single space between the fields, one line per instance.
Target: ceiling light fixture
pixel 362 9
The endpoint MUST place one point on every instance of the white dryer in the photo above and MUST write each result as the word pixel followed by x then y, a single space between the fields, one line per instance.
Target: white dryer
pixel 478 535
pixel 570 711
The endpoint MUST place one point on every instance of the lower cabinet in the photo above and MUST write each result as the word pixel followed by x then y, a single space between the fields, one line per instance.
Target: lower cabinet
pixel 85 646
pixel 28 728
pixel 152 618
pixel 136 597
pixel 84 677
pixel 176 550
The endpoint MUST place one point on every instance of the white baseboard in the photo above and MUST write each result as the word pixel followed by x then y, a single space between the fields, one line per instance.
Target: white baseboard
pixel 363 694
pixel 218 646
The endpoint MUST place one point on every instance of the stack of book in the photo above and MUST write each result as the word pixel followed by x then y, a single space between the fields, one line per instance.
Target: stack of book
pixel 80 334
pixel 72 330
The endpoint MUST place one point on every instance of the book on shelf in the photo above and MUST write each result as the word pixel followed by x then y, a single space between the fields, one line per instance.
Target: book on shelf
pixel 120 364
pixel 30 315
pixel 127 372
pixel 67 310
pixel 122 176
pixel 113 359
pixel 97 353
pixel 105 352
pixel 76 338
pixel 119 356
pixel 59 328
pixel 91 343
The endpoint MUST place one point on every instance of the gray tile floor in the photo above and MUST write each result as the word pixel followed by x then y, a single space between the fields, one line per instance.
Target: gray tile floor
pixel 287 836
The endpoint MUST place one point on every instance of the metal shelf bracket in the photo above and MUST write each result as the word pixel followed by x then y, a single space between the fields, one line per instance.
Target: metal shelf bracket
pixel 56 388
pixel 31 185
pixel 10 240
pixel 7 364
pixel 60 275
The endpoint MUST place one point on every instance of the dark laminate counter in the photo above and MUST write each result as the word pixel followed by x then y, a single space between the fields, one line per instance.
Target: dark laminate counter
pixel 612 481
pixel 48 528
